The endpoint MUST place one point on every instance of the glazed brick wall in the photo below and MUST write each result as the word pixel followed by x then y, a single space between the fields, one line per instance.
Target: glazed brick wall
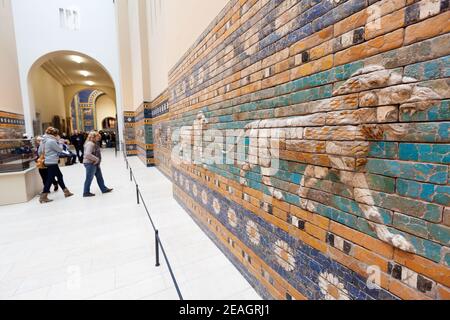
pixel 360 90
pixel 144 134
pixel 129 118
pixel 162 134
pixel 12 125
pixel 140 126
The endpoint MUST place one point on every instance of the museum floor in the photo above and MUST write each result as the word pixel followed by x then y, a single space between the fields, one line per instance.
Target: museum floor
pixel 103 248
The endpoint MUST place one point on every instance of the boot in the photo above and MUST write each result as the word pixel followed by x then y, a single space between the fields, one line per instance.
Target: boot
pixel 67 193
pixel 44 198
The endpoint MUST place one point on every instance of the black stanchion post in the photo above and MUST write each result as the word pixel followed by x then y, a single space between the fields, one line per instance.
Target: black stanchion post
pixel 137 193
pixel 131 174
pixel 157 247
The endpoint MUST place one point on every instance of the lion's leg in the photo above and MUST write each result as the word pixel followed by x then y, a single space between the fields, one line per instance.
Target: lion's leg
pixel 246 167
pixel 366 203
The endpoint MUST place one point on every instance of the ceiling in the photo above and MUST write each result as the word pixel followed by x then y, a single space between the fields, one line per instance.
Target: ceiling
pixel 67 69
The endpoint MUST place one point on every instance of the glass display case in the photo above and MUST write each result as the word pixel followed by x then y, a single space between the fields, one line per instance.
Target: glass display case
pixel 17 155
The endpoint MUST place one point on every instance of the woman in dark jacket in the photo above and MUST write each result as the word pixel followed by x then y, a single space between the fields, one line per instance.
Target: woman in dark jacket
pixel 92 160
pixel 51 149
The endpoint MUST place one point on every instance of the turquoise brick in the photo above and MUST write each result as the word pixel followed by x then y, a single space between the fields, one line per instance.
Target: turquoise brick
pixel 440 233
pixel 385 150
pixel 415 171
pixel 380 183
pixel 292 199
pixel 255 185
pixel 424 210
pixel 412 225
pixel 283 175
pixel 424 191
pixel 254 176
pixel 438 153
pixel 353 207
pixel 226 118
pixel 247 107
pixel 413 71
pixel 424 248
pixel 346 71
pixel 433 69
pixel 322 78
pixel 446 67
pixel 296 178
pixel 336 215
pixel 363 226
pixel 447 259
pixel 438 112
pixel 311 94
pixel 444 131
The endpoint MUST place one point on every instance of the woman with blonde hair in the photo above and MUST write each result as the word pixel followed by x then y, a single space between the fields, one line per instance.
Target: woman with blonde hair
pixel 91 161
pixel 49 149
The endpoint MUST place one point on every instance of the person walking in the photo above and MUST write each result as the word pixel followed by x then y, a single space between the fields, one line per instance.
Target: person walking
pixel 50 150
pixel 92 160
pixel 77 140
pixel 43 172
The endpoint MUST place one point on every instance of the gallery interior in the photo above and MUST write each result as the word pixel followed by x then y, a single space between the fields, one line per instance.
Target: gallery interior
pixel 225 150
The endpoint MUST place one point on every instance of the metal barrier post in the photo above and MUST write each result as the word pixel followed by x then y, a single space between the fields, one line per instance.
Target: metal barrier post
pixel 157 247
pixel 137 193
pixel 131 175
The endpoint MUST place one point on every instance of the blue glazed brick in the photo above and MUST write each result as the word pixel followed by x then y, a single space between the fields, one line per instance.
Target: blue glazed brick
pixel 438 112
pixel 411 225
pixel 292 199
pixel 344 72
pixel 428 70
pixel 385 150
pixel 428 211
pixel 296 178
pixel 423 191
pixel 415 171
pixel 363 226
pixel 336 215
pixel 425 248
pixel 440 233
pixel 438 153
pixel 447 259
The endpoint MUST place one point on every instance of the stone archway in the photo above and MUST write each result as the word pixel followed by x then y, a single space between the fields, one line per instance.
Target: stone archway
pixel 75 72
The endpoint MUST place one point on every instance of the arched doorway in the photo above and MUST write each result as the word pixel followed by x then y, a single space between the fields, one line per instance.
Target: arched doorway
pixel 109 123
pixel 56 79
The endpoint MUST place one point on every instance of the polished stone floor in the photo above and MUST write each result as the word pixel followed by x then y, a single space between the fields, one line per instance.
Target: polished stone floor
pixel 103 247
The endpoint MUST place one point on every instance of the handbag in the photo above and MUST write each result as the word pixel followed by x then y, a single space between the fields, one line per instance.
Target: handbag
pixel 40 162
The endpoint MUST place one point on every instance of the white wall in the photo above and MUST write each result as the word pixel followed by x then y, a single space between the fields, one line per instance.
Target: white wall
pixel 173 28
pixel 187 19
pixel 48 96
pixel 38 33
pixel 10 95
pixel 126 72
pixel 158 49
pixel 105 107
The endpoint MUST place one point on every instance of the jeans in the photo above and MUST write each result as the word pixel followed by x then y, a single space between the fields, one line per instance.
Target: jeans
pixel 52 172
pixel 91 171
